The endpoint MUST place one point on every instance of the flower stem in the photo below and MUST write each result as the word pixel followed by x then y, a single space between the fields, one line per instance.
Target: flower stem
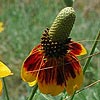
pixel 69 3
pixel 33 92
pixel 5 88
pixel 73 95
pixel 92 51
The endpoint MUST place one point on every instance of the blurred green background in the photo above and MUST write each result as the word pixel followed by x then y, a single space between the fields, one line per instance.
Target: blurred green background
pixel 24 22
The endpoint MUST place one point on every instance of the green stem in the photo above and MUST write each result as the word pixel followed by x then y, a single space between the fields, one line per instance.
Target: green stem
pixel 33 92
pixel 5 88
pixel 92 51
pixel 73 96
pixel 69 3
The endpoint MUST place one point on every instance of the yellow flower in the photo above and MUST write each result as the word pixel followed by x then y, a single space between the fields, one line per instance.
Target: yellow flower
pixel 4 71
pixel 1 26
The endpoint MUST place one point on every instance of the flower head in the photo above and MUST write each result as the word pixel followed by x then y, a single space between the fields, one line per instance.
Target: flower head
pixel 53 63
pixel 4 71
pixel 1 27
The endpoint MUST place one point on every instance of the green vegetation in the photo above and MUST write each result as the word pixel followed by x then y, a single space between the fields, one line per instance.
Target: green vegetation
pixel 24 22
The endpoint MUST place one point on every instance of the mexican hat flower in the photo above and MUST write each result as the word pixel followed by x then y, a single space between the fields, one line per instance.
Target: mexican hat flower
pixel 53 64
pixel 1 26
pixel 4 72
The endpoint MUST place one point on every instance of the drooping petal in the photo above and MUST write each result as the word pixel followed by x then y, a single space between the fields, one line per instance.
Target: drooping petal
pixel 51 79
pixel 4 70
pixel 74 84
pixel 32 83
pixel 36 49
pixel 52 88
pixel 77 48
pixel 1 86
pixel 31 65
pixel 73 73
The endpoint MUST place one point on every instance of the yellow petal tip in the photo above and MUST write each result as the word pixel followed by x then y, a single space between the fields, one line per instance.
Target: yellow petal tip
pixel 32 83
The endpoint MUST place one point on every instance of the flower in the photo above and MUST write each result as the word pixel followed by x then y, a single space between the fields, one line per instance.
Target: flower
pixel 53 64
pixel 4 71
pixel 1 26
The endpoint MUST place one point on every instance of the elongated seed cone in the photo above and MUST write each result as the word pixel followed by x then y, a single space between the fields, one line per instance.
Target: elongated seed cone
pixel 62 25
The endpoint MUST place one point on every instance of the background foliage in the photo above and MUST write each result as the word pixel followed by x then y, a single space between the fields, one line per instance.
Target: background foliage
pixel 24 22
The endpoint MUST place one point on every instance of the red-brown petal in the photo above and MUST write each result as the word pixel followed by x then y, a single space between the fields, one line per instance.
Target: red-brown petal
pixel 77 48
pixel 31 65
pixel 51 79
pixel 73 73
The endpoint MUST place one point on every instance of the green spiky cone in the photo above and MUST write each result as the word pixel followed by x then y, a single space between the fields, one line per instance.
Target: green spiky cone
pixel 62 25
